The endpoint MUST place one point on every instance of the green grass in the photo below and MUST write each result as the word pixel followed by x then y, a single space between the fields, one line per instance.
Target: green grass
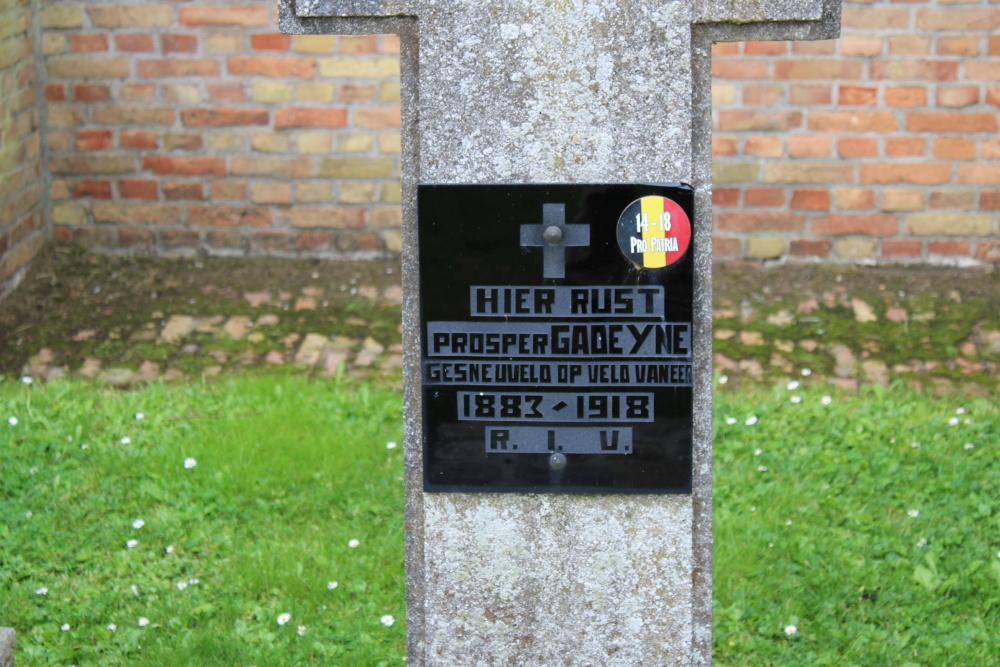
pixel 287 473
pixel 874 529
pixel 289 470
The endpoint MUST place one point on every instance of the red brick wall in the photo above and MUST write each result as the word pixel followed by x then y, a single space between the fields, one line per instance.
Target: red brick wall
pixel 21 230
pixel 191 127
pixel 882 146
pixel 184 127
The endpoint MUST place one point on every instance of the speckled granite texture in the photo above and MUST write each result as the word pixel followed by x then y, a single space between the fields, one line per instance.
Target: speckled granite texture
pixel 533 91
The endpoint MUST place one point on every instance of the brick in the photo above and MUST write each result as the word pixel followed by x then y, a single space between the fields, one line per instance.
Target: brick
pixel 58 141
pixel 88 42
pixel 223 239
pixel 135 214
pixel 53 43
pixel 993 95
pixel 958 45
pixel 727 171
pixel 173 43
pixel 961 96
pixel 766 221
pixel 61 115
pixel 725 49
pixel 184 166
pixel 226 91
pixel 906 96
pixel 862 45
pixel 725 197
pixel 894 199
pixel 225 141
pixel 281 67
pixel 852 121
pixel 125 16
pixel 857 199
pixel 389 44
pixel 175 190
pixel 765 48
pixel 228 216
pixel 87 68
pixel 389 91
pixel 313 143
pixel 223 42
pixel 304 117
pixel 386 216
pixel 809 146
pixel 354 241
pixel 905 146
pixel 328 217
pixel 743 121
pixel 222 116
pixel 855 147
pixel 61 17
pixel 139 139
pixel 235 190
pixel 59 189
pixel 262 166
pixel 356 167
pixel 357 92
pixel 311 192
pixel 136 238
pixel 824 47
pixel 857 96
pixel 901 249
pixel 392 193
pixel 993 46
pixel 864 17
pixel 180 238
pixel 55 92
pixel 810 200
pixel 184 93
pixel 959 19
pixel 927 70
pixel 90 188
pixel 811 95
pixel 313 43
pixel 909 45
pixel 243 16
pixel 723 246
pixel 979 174
pixel 270 41
pixel 357 192
pixel 314 241
pixel 765 247
pixel 109 163
pixel 69 214
pixel 91 92
pixel 803 70
pixel 949 224
pixel 855 248
pixel 722 146
pixel 270 92
pixel 271 193
pixel 989 149
pixel 809 248
pixel 950 121
pixel 764 146
pixel 271 240
pixel 359 67
pixel 358 44
pixel 764 197
pixel 314 92
pixel 952 199
pixel 136 188
pixel 178 67
pixel 269 142
pixel 913 173
pixel 760 95
pixel 988 251
pixel 989 201
pixel 132 115
pixel 954 148
pixel 378 118
pixel 132 43
pixel 948 248
pixel 842 224
pixel 806 172
pixel 723 70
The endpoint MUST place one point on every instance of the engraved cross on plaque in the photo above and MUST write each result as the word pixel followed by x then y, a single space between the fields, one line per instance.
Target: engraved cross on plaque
pixel 554 237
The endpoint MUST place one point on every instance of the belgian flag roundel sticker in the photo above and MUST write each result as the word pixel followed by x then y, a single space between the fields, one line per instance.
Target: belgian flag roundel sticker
pixel 654 232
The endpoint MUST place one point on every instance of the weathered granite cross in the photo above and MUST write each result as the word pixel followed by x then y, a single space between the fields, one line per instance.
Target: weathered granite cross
pixel 559 91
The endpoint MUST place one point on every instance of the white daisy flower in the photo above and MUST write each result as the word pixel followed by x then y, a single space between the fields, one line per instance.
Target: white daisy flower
pixel 26 379
pixel 761 468
pixel 730 420
pixel 751 420
pixel 790 630
pixel 42 591
pixel 330 585
pixel 913 514
pixel 12 421
pixel 181 585
pixel 826 400
pixel 959 411
pixel 126 440
pixel 922 542
pixel 353 543
pixel 793 385
pixel 301 631
pixel 387 620
pixel 143 621
pixel 111 627
pixel 190 463
pixel 139 416
pixel 391 445
pixel 131 544
pixel 806 372
pixel 168 549
pixel 796 399
pixel 64 627
pixel 284 618
pixel 969 445
pixel 953 421
pixel 758 452
pixel 138 523
pixel 723 379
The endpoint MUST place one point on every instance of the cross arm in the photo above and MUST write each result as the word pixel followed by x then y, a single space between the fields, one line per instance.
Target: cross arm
pixel 352 8
pixel 747 20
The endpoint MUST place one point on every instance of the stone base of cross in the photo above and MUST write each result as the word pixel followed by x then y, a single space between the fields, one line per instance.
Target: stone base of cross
pixel 526 91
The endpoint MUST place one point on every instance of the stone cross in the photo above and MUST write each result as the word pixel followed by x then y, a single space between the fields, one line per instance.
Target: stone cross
pixel 563 91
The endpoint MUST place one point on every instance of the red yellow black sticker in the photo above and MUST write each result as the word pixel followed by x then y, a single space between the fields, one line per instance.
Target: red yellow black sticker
pixel 654 232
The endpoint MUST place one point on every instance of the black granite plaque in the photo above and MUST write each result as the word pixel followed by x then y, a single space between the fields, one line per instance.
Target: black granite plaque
pixel 556 337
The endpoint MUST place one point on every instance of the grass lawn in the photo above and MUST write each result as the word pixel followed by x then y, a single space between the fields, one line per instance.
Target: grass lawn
pixel 870 522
